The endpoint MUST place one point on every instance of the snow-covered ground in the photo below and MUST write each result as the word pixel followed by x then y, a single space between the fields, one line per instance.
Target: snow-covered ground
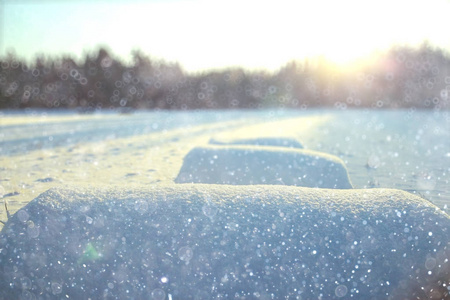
pixel 121 221
pixel 403 149
pixel 213 241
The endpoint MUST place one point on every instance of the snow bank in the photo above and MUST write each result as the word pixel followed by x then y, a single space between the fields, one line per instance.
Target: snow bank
pixel 261 141
pixel 220 242
pixel 239 165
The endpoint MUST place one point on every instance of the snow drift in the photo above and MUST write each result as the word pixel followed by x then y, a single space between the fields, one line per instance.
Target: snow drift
pixel 194 241
pixel 242 165
pixel 260 141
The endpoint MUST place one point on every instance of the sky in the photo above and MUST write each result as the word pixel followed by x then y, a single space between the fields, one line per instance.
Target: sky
pixel 214 34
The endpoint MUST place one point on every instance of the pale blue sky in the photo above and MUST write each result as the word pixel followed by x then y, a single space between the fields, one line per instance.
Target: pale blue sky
pixel 204 34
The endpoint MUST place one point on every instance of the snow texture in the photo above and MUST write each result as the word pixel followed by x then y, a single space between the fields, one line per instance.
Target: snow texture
pixel 195 241
pixel 262 141
pixel 242 165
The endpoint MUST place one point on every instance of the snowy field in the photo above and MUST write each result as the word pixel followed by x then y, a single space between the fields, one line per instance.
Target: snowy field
pixel 115 214
pixel 404 149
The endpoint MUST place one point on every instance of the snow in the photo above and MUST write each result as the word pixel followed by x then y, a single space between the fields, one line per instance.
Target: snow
pixel 263 165
pixel 259 141
pixel 125 229
pixel 403 149
pixel 210 241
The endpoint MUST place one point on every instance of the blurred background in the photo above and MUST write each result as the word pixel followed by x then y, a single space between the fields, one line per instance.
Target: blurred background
pixel 198 54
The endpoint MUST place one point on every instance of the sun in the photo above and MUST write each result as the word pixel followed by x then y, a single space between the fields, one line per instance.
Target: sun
pixel 347 56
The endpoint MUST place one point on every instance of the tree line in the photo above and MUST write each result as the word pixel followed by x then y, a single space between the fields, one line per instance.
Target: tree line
pixel 402 77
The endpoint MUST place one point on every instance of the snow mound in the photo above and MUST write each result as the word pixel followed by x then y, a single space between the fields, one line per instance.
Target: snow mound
pixel 195 241
pixel 261 141
pixel 245 165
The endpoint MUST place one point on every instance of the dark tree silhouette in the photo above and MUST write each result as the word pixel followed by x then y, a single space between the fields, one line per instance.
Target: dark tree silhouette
pixel 401 77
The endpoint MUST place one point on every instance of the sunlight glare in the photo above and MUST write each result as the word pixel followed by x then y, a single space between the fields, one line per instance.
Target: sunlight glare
pixel 205 34
pixel 268 34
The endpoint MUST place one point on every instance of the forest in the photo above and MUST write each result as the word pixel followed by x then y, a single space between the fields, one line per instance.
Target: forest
pixel 403 77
